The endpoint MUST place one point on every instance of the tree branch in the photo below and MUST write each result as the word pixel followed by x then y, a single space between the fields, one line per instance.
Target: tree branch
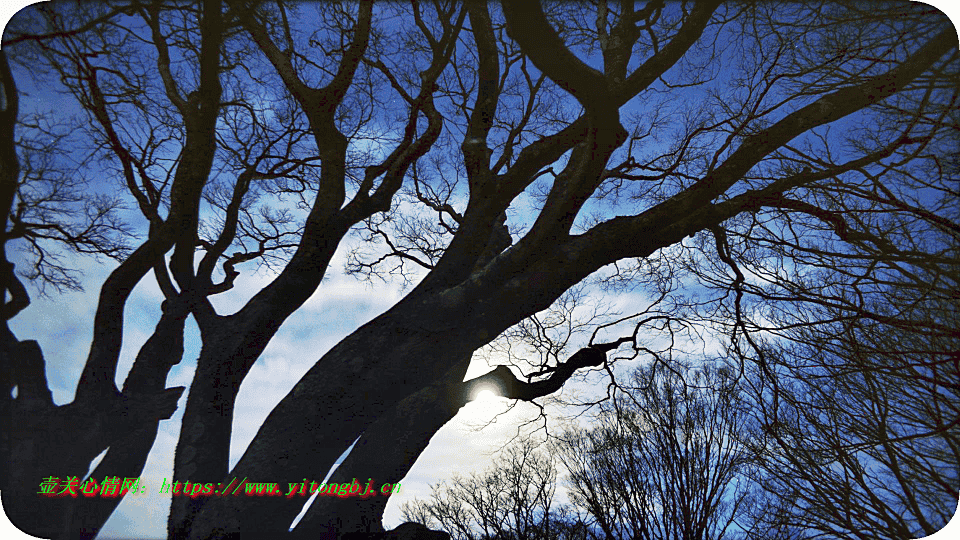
pixel 694 203
pixel 510 387
pixel 528 26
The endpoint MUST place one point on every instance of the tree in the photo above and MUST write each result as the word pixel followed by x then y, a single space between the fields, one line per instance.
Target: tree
pixel 666 460
pixel 861 413
pixel 240 126
pixel 513 499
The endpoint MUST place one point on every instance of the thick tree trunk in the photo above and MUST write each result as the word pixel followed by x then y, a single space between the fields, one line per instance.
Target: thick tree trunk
pixel 28 447
pixel 128 454
pixel 43 440
pixel 231 346
pixel 203 449
pixel 355 383
pixel 406 431
pixel 409 348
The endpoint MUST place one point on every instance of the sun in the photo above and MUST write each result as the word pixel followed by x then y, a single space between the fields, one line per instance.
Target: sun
pixel 485 392
pixel 485 403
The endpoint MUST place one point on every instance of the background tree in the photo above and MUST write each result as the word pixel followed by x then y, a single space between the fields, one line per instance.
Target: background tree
pixel 212 117
pixel 862 413
pixel 513 499
pixel 666 459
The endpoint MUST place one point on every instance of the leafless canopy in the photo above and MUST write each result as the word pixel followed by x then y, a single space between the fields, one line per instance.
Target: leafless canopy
pixel 766 188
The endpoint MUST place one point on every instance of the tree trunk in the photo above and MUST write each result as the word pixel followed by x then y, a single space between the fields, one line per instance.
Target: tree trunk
pixel 406 431
pixel 127 456
pixel 231 346
pixel 44 440
pixel 203 449
pixel 30 446
pixel 356 382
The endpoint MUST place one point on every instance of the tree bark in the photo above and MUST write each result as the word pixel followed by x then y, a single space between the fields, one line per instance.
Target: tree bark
pixel 406 429
pixel 128 454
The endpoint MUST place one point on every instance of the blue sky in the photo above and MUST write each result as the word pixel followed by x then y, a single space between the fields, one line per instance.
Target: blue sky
pixel 63 324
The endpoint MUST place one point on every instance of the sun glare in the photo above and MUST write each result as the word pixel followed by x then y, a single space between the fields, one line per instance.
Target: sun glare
pixel 484 405
pixel 485 395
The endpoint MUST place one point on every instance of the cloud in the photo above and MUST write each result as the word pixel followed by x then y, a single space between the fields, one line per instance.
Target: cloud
pixel 62 324
pixel 460 448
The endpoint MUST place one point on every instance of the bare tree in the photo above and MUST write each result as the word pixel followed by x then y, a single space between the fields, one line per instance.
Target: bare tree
pixel 860 435
pixel 512 500
pixel 666 460
pixel 427 126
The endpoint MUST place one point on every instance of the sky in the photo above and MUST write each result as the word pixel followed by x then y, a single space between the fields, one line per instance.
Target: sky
pixel 62 325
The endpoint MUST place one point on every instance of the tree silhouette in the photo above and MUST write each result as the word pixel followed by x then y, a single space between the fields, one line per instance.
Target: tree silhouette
pixel 667 460
pixel 493 156
pixel 513 499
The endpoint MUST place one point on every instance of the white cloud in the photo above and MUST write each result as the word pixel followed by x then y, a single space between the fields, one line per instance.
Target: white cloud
pixel 460 448
pixel 63 325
